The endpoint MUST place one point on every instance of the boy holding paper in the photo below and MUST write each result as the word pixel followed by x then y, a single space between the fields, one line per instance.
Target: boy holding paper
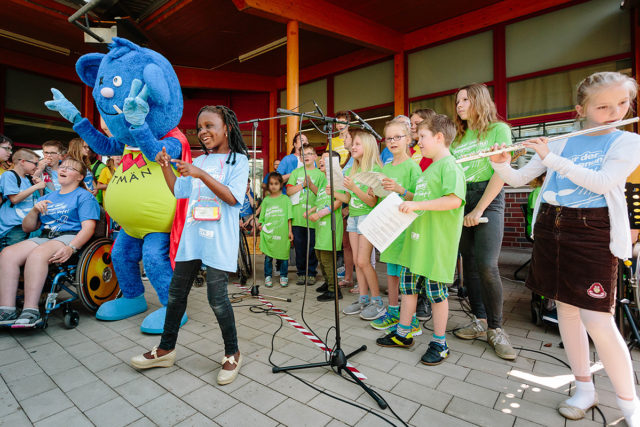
pixel 302 189
pixel 430 250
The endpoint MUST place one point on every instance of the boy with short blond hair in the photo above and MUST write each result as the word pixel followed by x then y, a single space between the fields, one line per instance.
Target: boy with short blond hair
pixel 430 252
pixel 19 193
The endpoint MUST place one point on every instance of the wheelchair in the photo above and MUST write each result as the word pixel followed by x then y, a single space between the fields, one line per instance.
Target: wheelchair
pixel 87 276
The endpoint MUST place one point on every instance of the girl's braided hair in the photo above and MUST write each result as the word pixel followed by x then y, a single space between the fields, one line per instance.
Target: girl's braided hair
pixel 234 136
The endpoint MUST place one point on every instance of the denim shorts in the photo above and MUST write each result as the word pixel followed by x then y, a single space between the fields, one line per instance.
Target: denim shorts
pixel 353 223
pixel 65 238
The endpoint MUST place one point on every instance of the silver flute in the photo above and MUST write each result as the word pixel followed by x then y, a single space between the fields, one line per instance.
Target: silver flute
pixel 520 146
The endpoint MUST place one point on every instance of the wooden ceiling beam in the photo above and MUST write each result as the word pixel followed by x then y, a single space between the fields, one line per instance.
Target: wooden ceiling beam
pixel 336 65
pixel 216 79
pixel 48 7
pixel 488 16
pixel 324 17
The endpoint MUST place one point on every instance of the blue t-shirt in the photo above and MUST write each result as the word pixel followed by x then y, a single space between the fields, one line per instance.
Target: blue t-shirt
pixel 587 151
pixel 67 211
pixel 213 242
pixel 11 216
pixel 288 165
pixel 246 206
pixel 386 156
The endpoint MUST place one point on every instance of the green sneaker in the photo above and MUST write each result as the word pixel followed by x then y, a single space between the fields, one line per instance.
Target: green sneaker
pixel 385 321
pixel 394 340
pixel 416 330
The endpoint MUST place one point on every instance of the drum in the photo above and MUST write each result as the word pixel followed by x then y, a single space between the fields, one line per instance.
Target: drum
pixel 95 276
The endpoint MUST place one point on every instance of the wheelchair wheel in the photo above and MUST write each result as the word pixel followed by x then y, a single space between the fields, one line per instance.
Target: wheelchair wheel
pixel 95 276
pixel 244 260
pixel 71 319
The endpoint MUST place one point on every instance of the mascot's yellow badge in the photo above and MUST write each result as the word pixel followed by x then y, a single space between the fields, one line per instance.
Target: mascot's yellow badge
pixel 138 198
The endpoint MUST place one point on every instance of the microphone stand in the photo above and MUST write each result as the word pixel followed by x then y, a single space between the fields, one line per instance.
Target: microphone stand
pixel 338 359
pixel 255 289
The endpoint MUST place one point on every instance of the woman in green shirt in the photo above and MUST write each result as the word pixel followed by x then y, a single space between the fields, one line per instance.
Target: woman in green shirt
pixel 478 128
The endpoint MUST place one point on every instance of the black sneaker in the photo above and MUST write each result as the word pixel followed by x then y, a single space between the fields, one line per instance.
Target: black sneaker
pixel 323 288
pixel 435 355
pixel 394 340
pixel 329 296
pixel 423 309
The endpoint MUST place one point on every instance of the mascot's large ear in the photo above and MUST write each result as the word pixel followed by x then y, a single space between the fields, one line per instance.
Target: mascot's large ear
pixel 156 83
pixel 87 67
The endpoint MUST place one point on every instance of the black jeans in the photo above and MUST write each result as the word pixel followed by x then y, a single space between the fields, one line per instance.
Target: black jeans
pixel 480 248
pixel 181 282
pixel 300 245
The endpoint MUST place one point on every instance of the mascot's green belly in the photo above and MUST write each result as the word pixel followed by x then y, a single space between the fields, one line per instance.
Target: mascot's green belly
pixel 138 197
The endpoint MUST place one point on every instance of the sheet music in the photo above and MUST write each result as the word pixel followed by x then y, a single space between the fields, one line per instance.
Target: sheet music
pixel 338 178
pixel 295 197
pixel 373 180
pixel 385 222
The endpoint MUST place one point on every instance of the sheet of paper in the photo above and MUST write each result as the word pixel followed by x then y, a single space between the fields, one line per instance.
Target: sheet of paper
pixel 338 178
pixel 295 197
pixel 373 180
pixel 385 222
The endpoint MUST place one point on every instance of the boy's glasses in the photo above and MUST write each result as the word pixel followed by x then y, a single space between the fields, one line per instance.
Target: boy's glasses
pixel 30 161
pixel 396 138
pixel 5 147
pixel 68 168
pixel 51 153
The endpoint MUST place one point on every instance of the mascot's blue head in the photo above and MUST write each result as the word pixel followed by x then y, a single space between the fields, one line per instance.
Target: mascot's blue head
pixel 111 75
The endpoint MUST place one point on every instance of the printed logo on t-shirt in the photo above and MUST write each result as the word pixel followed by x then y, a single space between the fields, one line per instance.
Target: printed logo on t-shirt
pixel 207 234
pixel 59 213
pixel 596 291
pixel 415 236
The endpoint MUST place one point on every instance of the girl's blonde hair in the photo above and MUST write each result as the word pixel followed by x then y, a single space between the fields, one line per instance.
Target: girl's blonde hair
pixel 597 81
pixel 75 151
pixel 371 154
pixel 482 113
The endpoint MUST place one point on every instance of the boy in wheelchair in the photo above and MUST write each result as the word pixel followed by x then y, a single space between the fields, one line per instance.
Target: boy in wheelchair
pixel 67 218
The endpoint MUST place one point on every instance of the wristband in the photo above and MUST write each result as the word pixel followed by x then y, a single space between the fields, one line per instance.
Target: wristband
pixel 73 248
pixel 405 193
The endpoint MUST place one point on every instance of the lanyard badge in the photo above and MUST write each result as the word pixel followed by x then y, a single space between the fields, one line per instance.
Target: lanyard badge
pixel 206 213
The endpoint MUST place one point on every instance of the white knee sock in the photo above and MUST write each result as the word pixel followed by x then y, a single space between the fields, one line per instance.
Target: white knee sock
pixel 584 396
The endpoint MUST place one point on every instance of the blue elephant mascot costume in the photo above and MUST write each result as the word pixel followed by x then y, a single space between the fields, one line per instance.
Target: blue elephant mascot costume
pixel 138 96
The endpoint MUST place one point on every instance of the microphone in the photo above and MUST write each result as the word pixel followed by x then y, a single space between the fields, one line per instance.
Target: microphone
pixel 366 125
pixel 318 109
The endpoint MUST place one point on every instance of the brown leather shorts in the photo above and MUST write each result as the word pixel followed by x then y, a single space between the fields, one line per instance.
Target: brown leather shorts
pixel 571 260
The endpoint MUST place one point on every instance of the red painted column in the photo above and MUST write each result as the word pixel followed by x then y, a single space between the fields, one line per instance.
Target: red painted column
pixel 500 71
pixel 293 74
pixel 273 130
pixel 399 83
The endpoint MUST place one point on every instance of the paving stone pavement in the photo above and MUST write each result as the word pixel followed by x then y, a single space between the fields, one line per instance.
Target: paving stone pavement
pixel 60 377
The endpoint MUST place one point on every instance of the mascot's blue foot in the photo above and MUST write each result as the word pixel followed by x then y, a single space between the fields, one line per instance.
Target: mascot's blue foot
pixel 154 323
pixel 122 308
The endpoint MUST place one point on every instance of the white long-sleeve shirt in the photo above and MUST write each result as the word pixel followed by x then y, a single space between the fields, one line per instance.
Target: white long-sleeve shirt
pixel 621 159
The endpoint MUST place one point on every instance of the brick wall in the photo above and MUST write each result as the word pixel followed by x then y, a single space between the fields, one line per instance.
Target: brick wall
pixel 514 234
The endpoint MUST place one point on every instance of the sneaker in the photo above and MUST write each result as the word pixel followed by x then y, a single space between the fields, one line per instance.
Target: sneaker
pixel 8 317
pixel 395 340
pixel 372 311
pixel 322 288
pixel 499 340
pixel 311 280
pixel 423 309
pixel 475 329
pixel 329 296
pixel 300 280
pixel 29 318
pixel 354 308
pixel 284 281
pixel 435 355
pixel 416 330
pixel 268 282
pixel 385 321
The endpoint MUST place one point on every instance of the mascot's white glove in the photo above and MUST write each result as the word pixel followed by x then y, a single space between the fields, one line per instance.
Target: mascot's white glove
pixel 135 107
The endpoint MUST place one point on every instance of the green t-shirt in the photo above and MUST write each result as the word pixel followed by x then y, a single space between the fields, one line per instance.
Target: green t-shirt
pixel 431 246
pixel 531 204
pixel 356 206
pixel 480 169
pixel 323 225
pixel 274 217
pixel 297 177
pixel 96 170
pixel 406 174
